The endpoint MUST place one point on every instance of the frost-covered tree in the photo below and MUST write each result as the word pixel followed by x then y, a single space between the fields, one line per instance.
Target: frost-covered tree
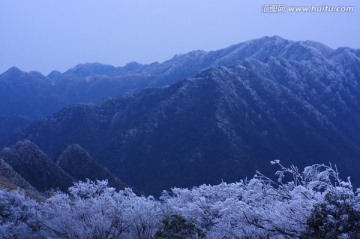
pixel 94 210
pixel 313 203
pixel 18 215
pixel 260 207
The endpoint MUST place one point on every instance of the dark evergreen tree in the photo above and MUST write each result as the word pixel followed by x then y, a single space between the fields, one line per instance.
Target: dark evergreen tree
pixel 337 217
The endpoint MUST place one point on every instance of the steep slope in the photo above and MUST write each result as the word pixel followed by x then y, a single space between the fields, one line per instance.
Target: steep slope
pixel 10 126
pixel 224 123
pixel 79 164
pixel 34 95
pixel 35 167
pixel 134 76
pixel 10 179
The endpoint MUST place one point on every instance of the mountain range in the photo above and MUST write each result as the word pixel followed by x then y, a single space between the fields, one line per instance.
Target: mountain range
pixel 33 95
pixel 204 117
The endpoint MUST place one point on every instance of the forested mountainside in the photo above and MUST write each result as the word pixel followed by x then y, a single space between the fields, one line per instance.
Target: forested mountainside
pixel 34 95
pixel 35 167
pixel 11 179
pixel 297 101
pixel 10 126
pixel 25 166
pixel 78 163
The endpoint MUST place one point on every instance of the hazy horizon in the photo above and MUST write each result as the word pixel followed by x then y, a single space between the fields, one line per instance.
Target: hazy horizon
pixel 45 36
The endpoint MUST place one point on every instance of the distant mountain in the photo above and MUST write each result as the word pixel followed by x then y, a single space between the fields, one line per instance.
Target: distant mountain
pixel 95 69
pixel 297 101
pixel 78 163
pixel 35 167
pixel 36 96
pixel 26 94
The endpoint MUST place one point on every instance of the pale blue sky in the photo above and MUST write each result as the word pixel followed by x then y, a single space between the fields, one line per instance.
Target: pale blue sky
pixel 45 35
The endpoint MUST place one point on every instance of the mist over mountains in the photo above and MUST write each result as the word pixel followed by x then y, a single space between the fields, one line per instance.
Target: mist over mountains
pixel 201 117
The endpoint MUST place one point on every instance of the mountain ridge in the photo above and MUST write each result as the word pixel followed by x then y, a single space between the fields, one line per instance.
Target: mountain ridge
pixel 91 82
pixel 223 123
pixel 250 103
pixel 78 163
pixel 25 166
